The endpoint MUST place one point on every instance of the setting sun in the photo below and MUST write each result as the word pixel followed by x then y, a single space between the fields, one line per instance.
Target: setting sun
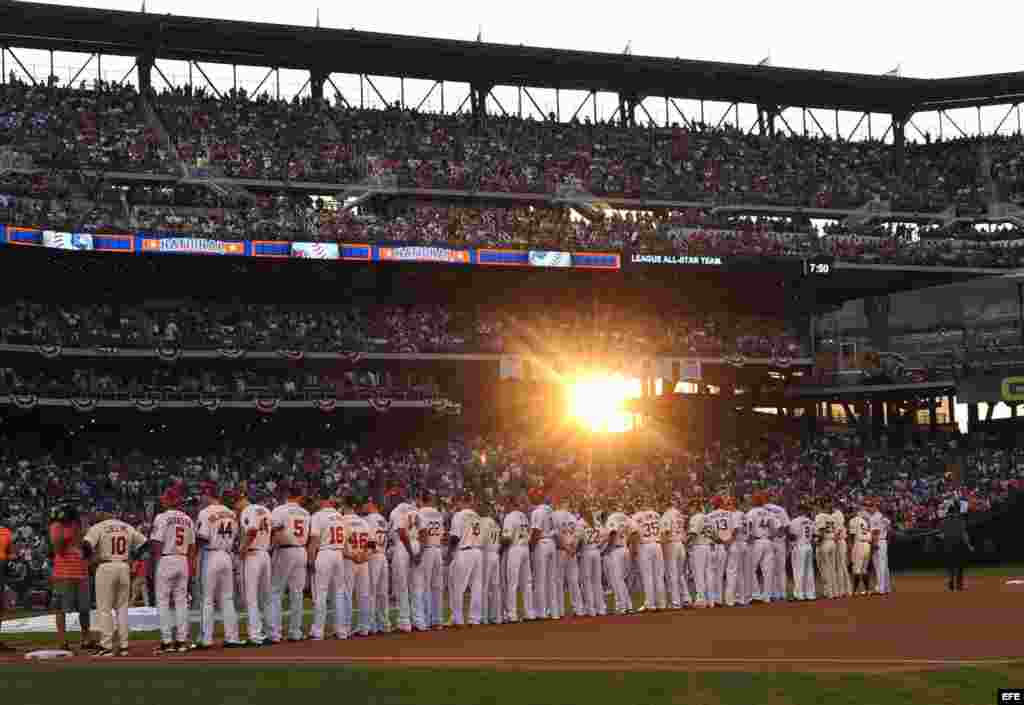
pixel 598 402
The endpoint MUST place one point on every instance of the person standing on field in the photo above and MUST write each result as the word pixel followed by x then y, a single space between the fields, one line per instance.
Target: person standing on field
pixel 110 543
pixel 70 575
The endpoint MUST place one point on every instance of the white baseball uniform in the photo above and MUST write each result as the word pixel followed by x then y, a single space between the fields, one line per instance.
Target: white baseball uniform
pixel 615 561
pixel 567 567
pixel 843 584
pixel 403 517
pixel 428 575
pixel 735 559
pixel 590 569
pixel 467 569
pixel 176 533
pixel 256 570
pixel 357 534
pixel 650 560
pixel 861 551
pixel 701 535
pixel 780 549
pixel 330 573
pixel 877 522
pixel 801 531
pixel 217 529
pixel 518 572
pixel 378 571
pixel 763 526
pixel 290 523
pixel 719 522
pixel 544 562
pixel 673 532
pixel 490 535
pixel 824 528
pixel 113 542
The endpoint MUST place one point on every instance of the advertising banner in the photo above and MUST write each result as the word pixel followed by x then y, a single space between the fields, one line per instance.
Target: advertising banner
pixel 189 246
pixel 124 244
pixel 677 260
pixel 416 253
pixel 596 260
pixel 540 258
pixel 315 250
pixel 271 248
pixel 67 241
pixel 23 236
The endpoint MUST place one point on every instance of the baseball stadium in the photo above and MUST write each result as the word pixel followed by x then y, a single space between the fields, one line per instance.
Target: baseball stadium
pixel 606 376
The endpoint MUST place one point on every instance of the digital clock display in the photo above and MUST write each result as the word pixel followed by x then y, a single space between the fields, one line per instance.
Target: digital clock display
pixel 818 267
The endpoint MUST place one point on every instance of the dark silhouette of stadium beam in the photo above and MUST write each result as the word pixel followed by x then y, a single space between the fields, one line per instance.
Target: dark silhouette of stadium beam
pixel 127 74
pixel 1000 125
pixel 377 92
pixel 855 127
pixel 590 96
pixel 427 96
pixel 815 119
pixel 899 139
pixel 339 94
pixel 317 78
pixel 207 79
pixel 78 73
pixel 686 122
pixel 785 122
pixel 943 113
pixel 724 116
pixel 529 96
pixel 260 85
pixel 25 70
pixel 497 102
pixel 161 73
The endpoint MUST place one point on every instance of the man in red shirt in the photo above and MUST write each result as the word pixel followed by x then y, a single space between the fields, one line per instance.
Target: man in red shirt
pixel 70 576
pixel 6 554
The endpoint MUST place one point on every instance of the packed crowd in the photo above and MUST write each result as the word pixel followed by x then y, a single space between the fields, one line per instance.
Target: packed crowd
pixel 548 329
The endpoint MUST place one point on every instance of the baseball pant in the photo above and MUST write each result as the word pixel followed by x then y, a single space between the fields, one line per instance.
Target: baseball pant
pixel 843 584
pixel 779 590
pixel 519 576
pixel 569 580
pixel 652 575
pixel 172 584
pixel 752 590
pixel 733 573
pixel 544 578
pixel 378 570
pixel 288 572
pixel 467 572
pixel 113 588
pixel 675 575
pixel 358 591
pixel 401 565
pixel 860 553
pixel 615 569
pixel 329 580
pixel 256 581
pixel 427 586
pixel 715 573
pixel 699 567
pixel 826 555
pixel 594 603
pixel 763 557
pixel 803 572
pixel 492 604
pixel 880 562
pixel 218 585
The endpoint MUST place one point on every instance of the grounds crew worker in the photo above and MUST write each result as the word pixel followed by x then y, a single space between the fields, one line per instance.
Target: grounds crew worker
pixel 111 544
pixel 956 545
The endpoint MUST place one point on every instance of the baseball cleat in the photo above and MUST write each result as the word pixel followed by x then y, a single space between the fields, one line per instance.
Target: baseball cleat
pixel 164 648
pixel 122 652
pixel 183 647
pixel 234 644
pixel 202 647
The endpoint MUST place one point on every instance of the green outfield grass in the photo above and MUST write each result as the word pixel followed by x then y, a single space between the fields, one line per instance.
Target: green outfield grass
pixel 107 684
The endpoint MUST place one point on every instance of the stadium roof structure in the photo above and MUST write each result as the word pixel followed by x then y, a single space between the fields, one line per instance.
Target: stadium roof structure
pixel 77 29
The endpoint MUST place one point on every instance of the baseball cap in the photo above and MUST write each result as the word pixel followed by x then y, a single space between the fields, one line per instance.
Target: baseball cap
pixel 105 505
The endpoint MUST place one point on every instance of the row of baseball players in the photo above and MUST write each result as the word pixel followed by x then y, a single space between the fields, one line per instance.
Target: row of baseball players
pixel 729 557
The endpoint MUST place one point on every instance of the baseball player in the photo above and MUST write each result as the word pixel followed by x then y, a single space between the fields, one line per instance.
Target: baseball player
pixel 673 536
pixel 699 537
pixel 542 548
pixel 802 531
pixel 255 555
pixel 289 534
pixel 111 542
pixel 174 553
pixel 324 554
pixel 779 547
pixel 590 567
pixel 650 559
pixel 763 527
pixel 879 526
pixel 614 553
pixel 717 522
pixel 378 569
pixel 466 560
pixel 490 535
pixel 567 573
pixel 824 531
pixel 427 576
pixel 358 536
pixel 404 549
pixel 842 554
pixel 860 533
pixel 515 536
pixel 216 535
pixel 735 553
